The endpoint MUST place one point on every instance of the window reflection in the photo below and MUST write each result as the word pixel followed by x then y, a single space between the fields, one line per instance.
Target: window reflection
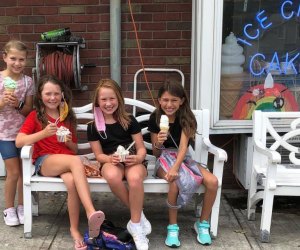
pixel 259 37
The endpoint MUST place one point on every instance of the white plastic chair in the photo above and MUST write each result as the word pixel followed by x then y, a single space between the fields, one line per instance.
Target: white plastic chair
pixel 270 176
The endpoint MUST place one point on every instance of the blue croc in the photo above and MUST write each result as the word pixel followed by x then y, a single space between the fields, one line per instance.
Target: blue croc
pixel 172 237
pixel 203 234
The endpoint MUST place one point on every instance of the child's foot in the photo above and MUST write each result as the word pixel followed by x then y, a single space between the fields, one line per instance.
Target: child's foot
pixel 10 217
pixel 172 237
pixel 139 238
pixel 146 226
pixel 203 234
pixel 95 220
pixel 20 212
pixel 79 244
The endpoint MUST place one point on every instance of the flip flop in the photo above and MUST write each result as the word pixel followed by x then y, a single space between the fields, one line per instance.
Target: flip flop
pixel 79 245
pixel 95 220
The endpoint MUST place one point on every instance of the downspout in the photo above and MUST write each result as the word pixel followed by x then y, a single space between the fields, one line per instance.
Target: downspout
pixel 115 40
pixel 194 55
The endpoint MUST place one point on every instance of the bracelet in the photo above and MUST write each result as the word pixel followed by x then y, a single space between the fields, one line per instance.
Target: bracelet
pixel 158 147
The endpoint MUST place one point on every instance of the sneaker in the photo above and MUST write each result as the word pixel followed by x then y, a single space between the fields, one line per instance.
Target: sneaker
pixel 145 224
pixel 20 212
pixel 10 217
pixel 172 237
pixel 203 234
pixel 140 239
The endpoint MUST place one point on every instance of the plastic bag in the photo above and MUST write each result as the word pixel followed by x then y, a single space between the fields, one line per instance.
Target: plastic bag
pixel 92 168
pixel 190 177
pixel 110 237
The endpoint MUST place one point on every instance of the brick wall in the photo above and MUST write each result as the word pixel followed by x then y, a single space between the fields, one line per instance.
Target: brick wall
pixel 164 30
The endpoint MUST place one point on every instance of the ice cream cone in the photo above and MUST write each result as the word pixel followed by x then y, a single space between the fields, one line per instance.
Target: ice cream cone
pixel 164 129
pixel 10 90
pixel 9 84
pixel 164 123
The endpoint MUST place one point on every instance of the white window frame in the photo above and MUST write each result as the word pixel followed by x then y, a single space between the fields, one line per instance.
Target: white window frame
pixel 207 20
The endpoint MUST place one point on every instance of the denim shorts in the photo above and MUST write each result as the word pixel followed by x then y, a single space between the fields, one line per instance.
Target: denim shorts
pixel 38 164
pixel 9 150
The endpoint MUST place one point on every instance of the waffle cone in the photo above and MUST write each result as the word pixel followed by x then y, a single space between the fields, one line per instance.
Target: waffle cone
pixel 10 90
pixel 164 129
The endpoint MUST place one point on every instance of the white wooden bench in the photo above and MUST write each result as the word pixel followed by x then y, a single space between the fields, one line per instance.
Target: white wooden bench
pixel 33 183
pixel 270 175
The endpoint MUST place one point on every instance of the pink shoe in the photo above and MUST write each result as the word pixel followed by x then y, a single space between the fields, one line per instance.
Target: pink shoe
pixel 95 220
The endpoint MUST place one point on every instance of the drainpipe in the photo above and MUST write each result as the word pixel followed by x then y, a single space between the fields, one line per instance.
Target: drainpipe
pixel 115 40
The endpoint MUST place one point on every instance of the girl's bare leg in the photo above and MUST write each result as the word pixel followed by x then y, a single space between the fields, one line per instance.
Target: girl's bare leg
pixel 135 176
pixel 55 165
pixel 20 185
pixel 73 202
pixel 11 182
pixel 211 184
pixel 114 176
pixel 172 197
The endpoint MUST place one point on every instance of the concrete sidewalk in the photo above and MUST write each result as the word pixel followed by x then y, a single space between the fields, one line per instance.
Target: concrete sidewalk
pixel 51 228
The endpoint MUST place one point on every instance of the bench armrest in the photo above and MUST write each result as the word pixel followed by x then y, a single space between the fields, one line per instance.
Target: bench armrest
pixel 26 156
pixel 273 156
pixel 220 156
pixel 219 153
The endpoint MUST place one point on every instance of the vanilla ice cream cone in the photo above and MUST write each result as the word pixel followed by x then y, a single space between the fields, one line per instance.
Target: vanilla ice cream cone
pixel 164 128
pixel 164 123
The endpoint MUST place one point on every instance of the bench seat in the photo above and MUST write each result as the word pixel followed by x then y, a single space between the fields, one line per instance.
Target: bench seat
pixel 32 184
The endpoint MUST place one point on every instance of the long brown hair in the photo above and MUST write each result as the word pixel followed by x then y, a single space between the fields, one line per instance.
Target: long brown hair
pixel 121 115
pixel 40 106
pixel 185 115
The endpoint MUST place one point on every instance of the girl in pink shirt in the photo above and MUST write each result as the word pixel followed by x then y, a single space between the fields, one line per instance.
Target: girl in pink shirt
pixel 16 97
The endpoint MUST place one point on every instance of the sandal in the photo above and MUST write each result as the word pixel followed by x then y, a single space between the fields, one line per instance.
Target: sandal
pixel 79 244
pixel 95 220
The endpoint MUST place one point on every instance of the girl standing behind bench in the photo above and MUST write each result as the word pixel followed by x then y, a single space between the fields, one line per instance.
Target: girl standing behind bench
pixel 171 149
pixel 53 158
pixel 113 126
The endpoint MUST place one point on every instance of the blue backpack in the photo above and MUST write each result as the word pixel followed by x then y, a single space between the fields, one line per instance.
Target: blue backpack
pixel 110 238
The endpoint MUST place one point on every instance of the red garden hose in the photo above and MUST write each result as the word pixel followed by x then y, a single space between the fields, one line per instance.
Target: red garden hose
pixel 60 65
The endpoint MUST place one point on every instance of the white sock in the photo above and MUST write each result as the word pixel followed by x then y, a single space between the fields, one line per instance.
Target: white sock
pixel 135 224
pixel 142 215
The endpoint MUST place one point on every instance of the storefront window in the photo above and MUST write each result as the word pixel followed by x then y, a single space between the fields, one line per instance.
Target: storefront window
pixel 260 60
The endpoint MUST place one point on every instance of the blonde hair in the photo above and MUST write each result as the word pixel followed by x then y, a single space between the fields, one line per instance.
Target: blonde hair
pixel 121 115
pixel 14 44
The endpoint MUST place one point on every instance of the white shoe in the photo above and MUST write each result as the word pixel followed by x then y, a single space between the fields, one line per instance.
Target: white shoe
pixel 10 217
pixel 140 239
pixel 20 212
pixel 146 226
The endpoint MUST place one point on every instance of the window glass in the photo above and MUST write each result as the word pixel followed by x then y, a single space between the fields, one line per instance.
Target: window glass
pixel 260 59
